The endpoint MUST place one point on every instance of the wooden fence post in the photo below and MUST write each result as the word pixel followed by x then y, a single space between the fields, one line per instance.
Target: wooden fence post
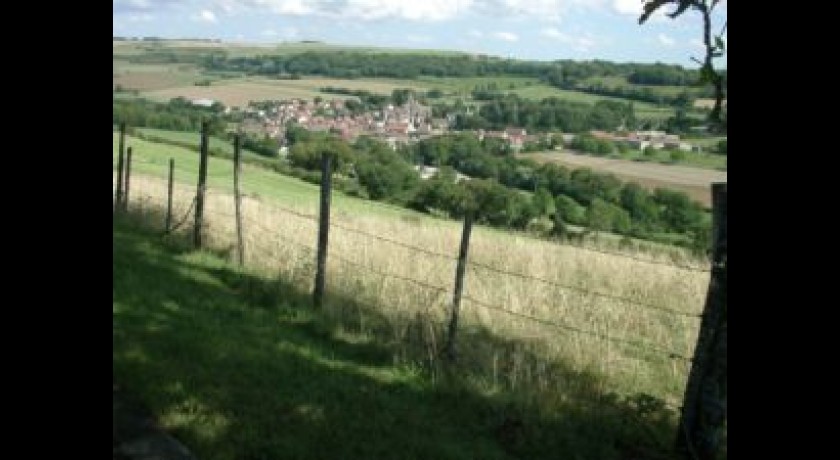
pixel 127 179
pixel 237 167
pixel 703 413
pixel 202 181
pixel 323 230
pixel 168 224
pixel 459 286
pixel 118 202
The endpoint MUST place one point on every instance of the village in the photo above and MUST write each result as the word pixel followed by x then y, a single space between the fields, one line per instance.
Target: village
pixel 412 122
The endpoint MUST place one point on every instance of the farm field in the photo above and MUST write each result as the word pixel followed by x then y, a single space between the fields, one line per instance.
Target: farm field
pixel 150 77
pixel 162 82
pixel 704 160
pixel 237 92
pixel 644 110
pixel 696 182
pixel 619 82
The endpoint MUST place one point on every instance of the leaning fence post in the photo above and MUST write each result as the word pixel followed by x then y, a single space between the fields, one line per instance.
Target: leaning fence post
pixel 704 405
pixel 323 230
pixel 237 167
pixel 118 202
pixel 168 224
pixel 459 286
pixel 127 179
pixel 202 180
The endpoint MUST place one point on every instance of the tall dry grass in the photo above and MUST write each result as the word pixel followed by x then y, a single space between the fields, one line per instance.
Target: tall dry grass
pixel 502 350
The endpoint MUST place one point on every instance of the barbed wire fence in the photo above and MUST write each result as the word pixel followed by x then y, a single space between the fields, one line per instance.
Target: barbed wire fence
pixel 697 433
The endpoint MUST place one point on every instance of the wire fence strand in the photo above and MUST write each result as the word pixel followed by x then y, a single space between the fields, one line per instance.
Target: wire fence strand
pixel 184 219
pixel 582 290
pixel 426 285
pixel 636 258
pixel 394 242
pixel 389 275
pixel 566 327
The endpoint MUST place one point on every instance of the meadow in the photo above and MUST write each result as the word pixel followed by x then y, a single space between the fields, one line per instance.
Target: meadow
pixel 279 241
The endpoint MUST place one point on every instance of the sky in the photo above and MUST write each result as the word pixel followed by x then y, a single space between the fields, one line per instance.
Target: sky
pixel 521 29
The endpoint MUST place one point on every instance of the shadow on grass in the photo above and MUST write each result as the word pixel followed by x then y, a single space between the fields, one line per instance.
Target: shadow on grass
pixel 239 367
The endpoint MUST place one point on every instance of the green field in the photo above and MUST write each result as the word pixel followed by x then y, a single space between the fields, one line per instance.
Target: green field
pixel 162 82
pixel 193 139
pixel 620 82
pixel 153 159
pixel 644 110
pixel 466 85
pixel 700 160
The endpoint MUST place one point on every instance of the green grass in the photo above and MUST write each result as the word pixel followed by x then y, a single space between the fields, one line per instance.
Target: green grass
pixel 466 85
pixel 643 110
pixel 707 142
pixel 153 159
pixel 194 140
pixel 621 82
pixel 700 160
pixel 238 366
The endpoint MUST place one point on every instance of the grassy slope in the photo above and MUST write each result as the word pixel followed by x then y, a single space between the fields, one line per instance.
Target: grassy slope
pixel 239 367
pixel 238 378
pixel 153 158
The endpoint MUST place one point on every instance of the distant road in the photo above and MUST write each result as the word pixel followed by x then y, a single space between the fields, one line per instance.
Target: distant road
pixel 696 182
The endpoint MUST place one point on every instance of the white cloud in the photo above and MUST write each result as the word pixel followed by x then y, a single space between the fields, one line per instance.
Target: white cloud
pixel 582 43
pixel 544 10
pixel 696 43
pixel 551 32
pixel 140 4
pixel 413 10
pixel 141 17
pixel 206 16
pixel 475 33
pixel 665 40
pixel 293 7
pixel 269 33
pixel 629 7
pixel 133 6
pixel 506 36
pixel 634 8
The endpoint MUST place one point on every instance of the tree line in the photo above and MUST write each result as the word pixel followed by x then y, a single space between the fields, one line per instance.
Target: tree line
pixel 179 114
pixel 506 192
